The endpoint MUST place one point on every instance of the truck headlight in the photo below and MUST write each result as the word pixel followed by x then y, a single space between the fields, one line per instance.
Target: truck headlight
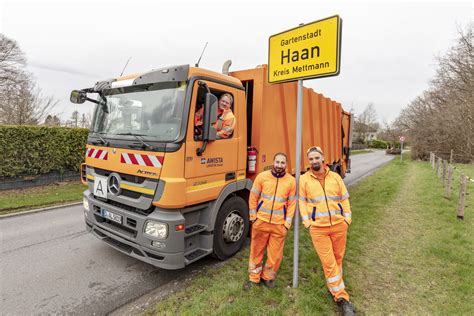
pixel 85 203
pixel 157 230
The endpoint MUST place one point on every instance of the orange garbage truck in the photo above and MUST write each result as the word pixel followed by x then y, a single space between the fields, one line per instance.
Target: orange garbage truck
pixel 165 193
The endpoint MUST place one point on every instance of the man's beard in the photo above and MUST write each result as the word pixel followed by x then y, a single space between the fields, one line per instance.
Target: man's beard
pixel 278 170
pixel 316 166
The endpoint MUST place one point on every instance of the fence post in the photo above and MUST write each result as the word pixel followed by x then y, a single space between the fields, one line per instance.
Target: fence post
pixel 438 168
pixel 445 169
pixel 451 157
pixel 450 182
pixel 462 197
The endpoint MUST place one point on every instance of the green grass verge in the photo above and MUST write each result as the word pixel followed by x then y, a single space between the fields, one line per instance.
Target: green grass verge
pixel 219 290
pixel 13 201
pixel 419 259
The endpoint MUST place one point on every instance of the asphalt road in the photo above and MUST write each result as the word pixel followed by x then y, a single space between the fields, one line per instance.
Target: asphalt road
pixel 365 164
pixel 49 264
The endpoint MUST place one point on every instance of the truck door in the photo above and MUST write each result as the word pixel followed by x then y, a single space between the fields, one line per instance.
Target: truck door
pixel 207 174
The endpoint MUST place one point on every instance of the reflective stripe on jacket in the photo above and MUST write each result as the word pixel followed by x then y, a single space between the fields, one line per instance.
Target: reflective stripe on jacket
pixel 326 203
pixel 272 199
pixel 225 124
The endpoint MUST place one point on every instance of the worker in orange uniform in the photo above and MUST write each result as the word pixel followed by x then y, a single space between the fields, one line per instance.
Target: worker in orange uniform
pixel 325 210
pixel 225 118
pixel 225 123
pixel 272 205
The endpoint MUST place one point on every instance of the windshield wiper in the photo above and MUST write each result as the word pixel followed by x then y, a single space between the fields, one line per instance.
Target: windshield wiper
pixel 138 136
pixel 102 141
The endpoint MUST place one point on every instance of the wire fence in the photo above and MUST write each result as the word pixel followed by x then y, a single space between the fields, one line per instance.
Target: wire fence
pixel 446 171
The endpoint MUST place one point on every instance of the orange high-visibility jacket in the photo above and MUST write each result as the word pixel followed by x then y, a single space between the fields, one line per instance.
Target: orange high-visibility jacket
pixel 272 199
pixel 225 124
pixel 198 117
pixel 323 205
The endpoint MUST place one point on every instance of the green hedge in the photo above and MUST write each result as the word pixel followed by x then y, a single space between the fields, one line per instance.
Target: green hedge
pixel 378 144
pixel 35 150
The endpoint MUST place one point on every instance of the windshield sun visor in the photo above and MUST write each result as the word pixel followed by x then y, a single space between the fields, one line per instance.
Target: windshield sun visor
pixel 173 73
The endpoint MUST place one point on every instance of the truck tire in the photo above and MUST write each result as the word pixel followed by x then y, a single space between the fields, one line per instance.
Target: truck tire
pixel 231 228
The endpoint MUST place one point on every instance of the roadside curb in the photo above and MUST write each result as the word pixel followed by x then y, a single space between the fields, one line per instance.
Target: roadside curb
pixel 49 208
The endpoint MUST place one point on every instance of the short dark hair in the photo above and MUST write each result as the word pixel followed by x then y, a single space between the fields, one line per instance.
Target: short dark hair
pixel 314 149
pixel 280 154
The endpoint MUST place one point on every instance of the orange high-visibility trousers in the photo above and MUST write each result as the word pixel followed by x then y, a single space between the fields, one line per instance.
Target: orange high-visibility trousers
pixel 272 238
pixel 330 245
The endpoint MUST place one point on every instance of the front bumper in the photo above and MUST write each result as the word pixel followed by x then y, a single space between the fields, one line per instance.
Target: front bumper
pixel 129 238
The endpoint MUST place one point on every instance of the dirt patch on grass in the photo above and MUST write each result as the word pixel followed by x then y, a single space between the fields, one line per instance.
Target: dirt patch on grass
pixel 388 277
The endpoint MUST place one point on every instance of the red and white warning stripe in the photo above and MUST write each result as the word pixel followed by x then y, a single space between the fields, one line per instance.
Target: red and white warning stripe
pixel 97 153
pixel 142 160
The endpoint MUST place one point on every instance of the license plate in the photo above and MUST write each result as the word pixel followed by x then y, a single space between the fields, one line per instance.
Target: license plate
pixel 112 216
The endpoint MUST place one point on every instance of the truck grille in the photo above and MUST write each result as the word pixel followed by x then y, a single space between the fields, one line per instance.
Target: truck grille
pixel 132 198
pixel 131 208
pixel 124 176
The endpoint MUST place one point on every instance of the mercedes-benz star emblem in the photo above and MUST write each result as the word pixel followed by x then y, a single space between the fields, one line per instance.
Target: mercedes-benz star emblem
pixel 114 184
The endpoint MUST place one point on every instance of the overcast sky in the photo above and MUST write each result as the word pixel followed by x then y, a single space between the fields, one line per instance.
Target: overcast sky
pixel 388 48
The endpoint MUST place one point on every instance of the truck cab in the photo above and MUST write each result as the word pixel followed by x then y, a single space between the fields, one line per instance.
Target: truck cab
pixel 157 191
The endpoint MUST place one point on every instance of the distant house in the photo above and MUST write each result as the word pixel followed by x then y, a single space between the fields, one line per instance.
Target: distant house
pixel 364 133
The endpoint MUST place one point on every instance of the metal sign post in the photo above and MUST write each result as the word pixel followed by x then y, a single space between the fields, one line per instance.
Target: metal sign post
pixel 299 119
pixel 402 139
pixel 308 51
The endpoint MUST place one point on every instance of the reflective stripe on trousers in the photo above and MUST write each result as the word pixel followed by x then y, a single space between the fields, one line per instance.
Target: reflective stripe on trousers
pixel 272 238
pixel 330 245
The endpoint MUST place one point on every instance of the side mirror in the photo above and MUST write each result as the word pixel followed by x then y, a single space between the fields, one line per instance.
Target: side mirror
pixel 210 117
pixel 78 96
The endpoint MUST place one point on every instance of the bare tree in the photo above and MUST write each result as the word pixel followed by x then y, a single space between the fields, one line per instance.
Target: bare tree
pixel 442 118
pixel 75 117
pixel 48 120
pixel 56 121
pixel 12 61
pixel 366 122
pixel 24 104
pixel 85 120
pixel 21 101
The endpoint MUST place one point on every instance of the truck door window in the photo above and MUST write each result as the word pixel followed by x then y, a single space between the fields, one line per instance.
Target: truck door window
pixel 225 114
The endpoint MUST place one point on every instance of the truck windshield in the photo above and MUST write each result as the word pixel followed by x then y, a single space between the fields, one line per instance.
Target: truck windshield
pixel 153 111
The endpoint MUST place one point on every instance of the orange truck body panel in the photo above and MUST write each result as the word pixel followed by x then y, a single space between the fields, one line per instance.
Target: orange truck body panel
pixel 274 122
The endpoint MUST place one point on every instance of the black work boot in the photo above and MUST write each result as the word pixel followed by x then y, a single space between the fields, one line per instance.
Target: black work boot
pixel 346 307
pixel 249 285
pixel 269 283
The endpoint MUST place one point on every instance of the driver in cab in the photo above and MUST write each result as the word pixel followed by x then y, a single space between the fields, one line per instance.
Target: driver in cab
pixel 225 123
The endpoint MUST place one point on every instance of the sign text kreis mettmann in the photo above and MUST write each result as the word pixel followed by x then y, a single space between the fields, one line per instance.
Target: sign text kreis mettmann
pixel 308 51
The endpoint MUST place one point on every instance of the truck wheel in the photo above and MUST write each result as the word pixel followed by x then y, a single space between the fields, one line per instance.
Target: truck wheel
pixel 231 228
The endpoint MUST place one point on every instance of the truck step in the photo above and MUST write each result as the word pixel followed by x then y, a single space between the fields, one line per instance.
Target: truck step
pixel 196 255
pixel 195 229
